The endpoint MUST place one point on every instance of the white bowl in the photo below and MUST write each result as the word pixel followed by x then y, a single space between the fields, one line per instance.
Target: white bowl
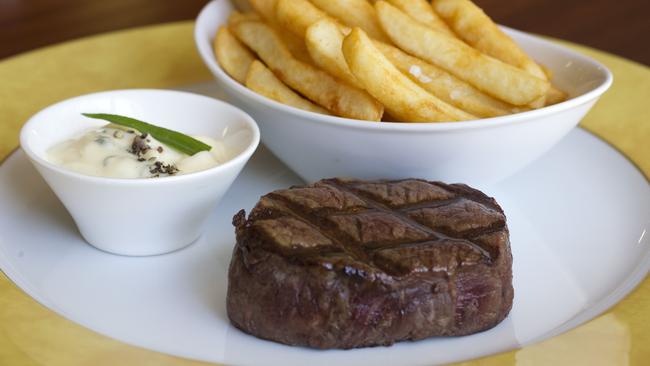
pixel 476 152
pixel 141 216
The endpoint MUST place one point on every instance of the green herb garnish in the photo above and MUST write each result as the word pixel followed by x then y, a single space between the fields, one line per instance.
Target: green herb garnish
pixel 176 140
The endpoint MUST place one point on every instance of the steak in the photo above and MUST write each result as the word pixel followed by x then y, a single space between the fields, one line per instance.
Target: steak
pixel 345 263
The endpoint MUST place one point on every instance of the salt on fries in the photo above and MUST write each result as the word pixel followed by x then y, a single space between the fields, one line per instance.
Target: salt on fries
pixel 403 98
pixel 444 85
pixel 424 62
pixel 488 74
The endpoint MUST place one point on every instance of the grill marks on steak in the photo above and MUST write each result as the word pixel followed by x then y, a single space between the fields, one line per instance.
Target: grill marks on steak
pixel 292 234
pixel 374 227
pixel 368 221
pixel 441 256
pixel 348 263
pixel 400 193
pixel 459 218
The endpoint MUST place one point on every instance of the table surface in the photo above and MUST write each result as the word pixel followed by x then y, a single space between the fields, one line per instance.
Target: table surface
pixel 620 27
pixel 33 335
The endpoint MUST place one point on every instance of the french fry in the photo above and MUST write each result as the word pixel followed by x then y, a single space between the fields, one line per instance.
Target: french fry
pixel 340 98
pixel 402 98
pixel 324 40
pixel 262 81
pixel 444 85
pixel 354 13
pixel 236 17
pixel 298 15
pixel 539 102
pixel 555 96
pixel 548 72
pixel 422 11
pixel 487 74
pixel 295 44
pixel 266 8
pixel 435 76
pixel 478 30
pixel 232 55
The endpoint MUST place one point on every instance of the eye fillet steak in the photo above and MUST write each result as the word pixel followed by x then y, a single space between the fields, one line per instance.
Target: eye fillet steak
pixel 345 263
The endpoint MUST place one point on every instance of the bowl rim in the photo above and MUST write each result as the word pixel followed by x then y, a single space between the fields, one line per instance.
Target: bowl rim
pixel 241 158
pixel 205 49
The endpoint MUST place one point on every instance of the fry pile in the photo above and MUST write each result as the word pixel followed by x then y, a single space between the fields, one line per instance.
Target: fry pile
pixel 411 60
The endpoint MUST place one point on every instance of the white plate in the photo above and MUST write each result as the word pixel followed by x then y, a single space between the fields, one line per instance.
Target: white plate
pixel 578 218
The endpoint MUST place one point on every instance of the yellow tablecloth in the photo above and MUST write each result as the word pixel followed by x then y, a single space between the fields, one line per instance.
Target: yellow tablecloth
pixel 164 56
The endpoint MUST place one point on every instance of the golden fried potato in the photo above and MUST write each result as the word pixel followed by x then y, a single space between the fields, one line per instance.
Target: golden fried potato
pixel 548 72
pixel 354 13
pixel 236 16
pixel 340 98
pixel 266 8
pixel 402 98
pixel 324 40
pixel 295 44
pixel 477 29
pixel 262 81
pixel 298 15
pixel 444 85
pixel 422 11
pixel 233 56
pixel 555 96
pixel 487 74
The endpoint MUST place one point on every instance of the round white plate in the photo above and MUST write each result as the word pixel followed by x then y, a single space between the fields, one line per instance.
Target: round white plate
pixel 578 219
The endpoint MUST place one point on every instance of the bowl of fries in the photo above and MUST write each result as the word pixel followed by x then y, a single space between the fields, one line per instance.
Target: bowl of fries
pixel 396 89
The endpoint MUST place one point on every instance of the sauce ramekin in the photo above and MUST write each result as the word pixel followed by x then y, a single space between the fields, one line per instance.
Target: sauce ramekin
pixel 145 216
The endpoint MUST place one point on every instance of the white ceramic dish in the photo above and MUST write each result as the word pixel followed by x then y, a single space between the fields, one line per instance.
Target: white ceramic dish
pixel 317 146
pixel 141 216
pixel 176 303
